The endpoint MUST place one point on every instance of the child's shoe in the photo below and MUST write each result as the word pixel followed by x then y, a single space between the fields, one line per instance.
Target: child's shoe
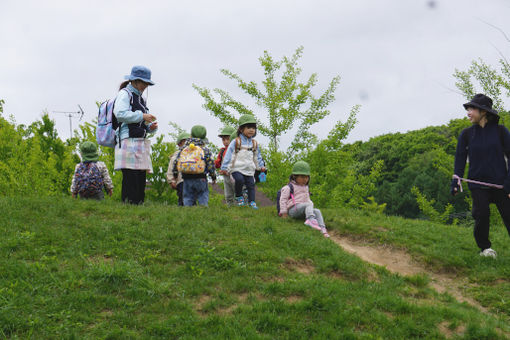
pixel 240 201
pixel 253 205
pixel 325 232
pixel 313 224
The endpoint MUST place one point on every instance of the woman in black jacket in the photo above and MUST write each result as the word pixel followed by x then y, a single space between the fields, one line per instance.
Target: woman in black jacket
pixel 486 144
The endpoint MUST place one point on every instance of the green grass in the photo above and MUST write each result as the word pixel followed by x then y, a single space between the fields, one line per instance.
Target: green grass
pixel 443 248
pixel 72 269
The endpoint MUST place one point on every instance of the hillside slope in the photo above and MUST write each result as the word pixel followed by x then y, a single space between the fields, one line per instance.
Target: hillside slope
pixel 89 270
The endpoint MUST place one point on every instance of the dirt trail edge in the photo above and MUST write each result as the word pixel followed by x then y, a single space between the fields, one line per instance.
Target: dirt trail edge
pixel 398 261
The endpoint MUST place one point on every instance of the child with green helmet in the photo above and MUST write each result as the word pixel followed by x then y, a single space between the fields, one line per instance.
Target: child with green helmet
pixel 91 175
pixel 177 183
pixel 228 184
pixel 242 158
pixel 294 200
pixel 195 162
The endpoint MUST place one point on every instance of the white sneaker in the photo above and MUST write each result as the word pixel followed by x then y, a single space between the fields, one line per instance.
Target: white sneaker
pixel 489 252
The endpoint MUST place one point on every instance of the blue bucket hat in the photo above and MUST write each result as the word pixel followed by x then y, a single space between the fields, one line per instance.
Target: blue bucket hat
pixel 142 73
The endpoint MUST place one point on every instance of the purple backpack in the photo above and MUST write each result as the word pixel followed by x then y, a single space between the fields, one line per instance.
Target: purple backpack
pixel 107 123
pixel 88 180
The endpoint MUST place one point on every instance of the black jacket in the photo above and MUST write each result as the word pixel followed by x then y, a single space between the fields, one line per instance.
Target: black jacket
pixel 486 148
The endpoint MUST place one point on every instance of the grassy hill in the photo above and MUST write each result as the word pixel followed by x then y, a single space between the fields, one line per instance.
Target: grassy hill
pixel 72 269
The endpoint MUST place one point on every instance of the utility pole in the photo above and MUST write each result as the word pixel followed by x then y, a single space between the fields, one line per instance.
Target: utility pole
pixel 71 115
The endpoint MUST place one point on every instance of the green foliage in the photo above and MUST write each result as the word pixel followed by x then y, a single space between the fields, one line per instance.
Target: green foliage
pixel 287 102
pixel 33 161
pixel 426 207
pixel 495 83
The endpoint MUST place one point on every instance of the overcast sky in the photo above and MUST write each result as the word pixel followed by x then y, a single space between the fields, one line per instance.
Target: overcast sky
pixel 395 57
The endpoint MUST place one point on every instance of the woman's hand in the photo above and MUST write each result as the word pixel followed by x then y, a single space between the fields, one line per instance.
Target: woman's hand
pixel 153 126
pixel 148 118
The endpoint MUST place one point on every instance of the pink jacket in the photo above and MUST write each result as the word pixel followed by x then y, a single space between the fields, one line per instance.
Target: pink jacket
pixel 301 195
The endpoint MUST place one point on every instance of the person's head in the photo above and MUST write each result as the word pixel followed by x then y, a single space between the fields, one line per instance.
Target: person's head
pixel 89 152
pixel 181 138
pixel 140 78
pixel 480 111
pixel 301 173
pixel 198 131
pixel 247 126
pixel 225 135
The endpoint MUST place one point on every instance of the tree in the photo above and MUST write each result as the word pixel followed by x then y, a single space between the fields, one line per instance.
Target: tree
pixel 481 77
pixel 287 102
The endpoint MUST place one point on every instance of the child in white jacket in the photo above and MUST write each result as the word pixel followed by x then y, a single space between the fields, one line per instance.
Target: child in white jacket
pixel 241 160
pixel 295 199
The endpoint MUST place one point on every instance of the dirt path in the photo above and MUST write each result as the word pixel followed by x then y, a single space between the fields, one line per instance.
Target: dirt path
pixel 398 261
pixel 261 199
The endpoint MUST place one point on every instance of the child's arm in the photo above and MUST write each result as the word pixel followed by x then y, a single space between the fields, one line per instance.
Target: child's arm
pixel 228 155
pixel 217 162
pixel 73 183
pixel 285 193
pixel 209 164
pixel 106 177
pixel 262 164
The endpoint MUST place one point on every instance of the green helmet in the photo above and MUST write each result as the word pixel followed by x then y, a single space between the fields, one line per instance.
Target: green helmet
pixel 227 131
pixel 183 135
pixel 198 131
pixel 247 119
pixel 301 168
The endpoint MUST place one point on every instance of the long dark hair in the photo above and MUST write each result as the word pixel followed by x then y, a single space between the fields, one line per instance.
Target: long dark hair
pixel 123 84
pixel 241 128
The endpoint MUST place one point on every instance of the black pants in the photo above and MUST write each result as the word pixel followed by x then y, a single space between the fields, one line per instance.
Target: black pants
pixel 242 180
pixel 481 213
pixel 179 193
pixel 133 186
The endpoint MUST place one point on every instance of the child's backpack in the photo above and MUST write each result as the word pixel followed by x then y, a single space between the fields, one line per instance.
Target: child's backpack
pixel 88 180
pixel 279 195
pixel 107 123
pixel 191 160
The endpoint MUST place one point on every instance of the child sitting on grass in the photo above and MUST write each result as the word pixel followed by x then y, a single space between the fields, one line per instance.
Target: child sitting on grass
pixel 90 176
pixel 295 199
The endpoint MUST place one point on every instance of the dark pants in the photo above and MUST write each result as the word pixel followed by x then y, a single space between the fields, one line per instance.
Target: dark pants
pixel 133 186
pixel 247 181
pixel 99 196
pixel 179 193
pixel 481 213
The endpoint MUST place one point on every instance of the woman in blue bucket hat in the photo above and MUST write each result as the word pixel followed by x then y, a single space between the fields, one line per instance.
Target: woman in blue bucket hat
pixel 132 152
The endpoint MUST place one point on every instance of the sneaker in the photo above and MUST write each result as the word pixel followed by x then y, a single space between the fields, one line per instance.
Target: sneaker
pixel 313 224
pixel 240 201
pixel 253 205
pixel 489 252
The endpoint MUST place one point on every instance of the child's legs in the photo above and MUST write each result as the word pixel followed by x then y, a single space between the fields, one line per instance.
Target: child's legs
pixel 238 183
pixel 202 190
pixel 298 211
pixel 229 189
pixel 187 193
pixel 249 182
pixel 320 219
